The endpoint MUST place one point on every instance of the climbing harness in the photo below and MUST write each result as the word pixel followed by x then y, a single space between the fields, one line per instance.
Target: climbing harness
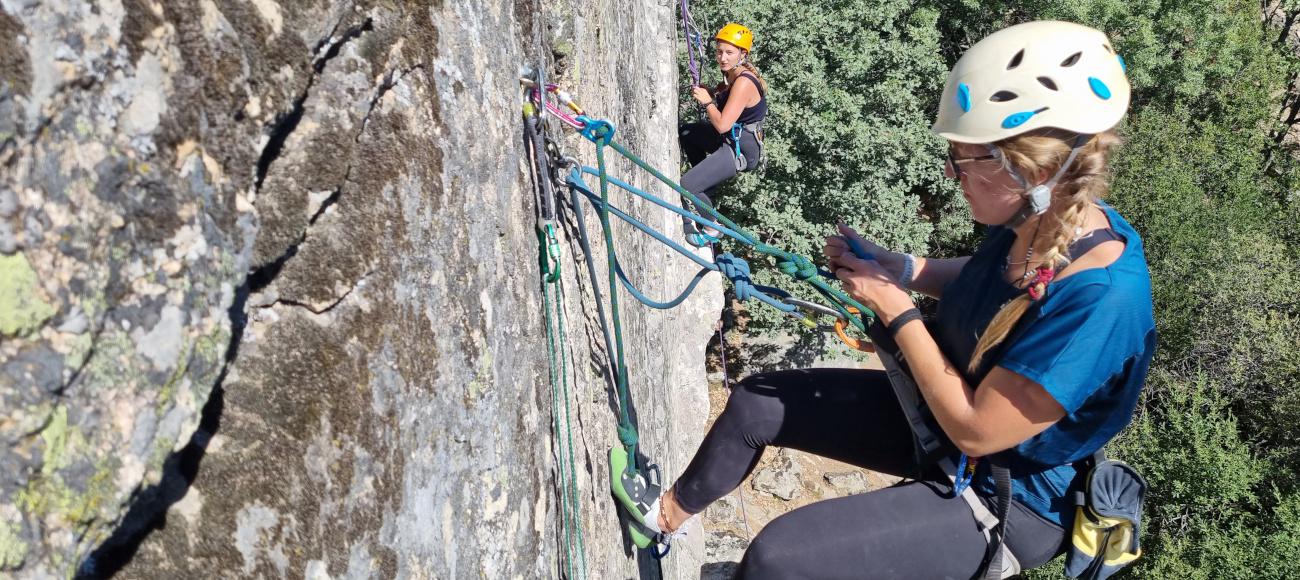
pixel 929 449
pixel 737 130
pixel 633 481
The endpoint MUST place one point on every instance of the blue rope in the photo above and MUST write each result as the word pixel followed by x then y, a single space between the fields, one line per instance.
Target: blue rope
pixel 652 198
pixel 736 269
pixel 576 181
pixel 631 289
pixel 794 265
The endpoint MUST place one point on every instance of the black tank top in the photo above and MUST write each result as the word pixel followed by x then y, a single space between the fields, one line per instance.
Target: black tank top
pixel 752 114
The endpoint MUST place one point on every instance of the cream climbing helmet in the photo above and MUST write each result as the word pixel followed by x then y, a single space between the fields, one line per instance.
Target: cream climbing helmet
pixel 1030 76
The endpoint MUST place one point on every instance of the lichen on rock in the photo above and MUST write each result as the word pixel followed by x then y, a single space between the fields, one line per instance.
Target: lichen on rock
pixel 265 278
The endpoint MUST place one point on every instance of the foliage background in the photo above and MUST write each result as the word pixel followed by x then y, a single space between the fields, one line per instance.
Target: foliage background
pixel 1208 175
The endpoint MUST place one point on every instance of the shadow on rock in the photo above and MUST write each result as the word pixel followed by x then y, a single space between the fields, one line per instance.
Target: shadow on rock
pixel 149 506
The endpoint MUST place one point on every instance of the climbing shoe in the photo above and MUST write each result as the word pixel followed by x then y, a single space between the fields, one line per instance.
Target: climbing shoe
pixel 702 239
pixel 638 493
pixel 694 235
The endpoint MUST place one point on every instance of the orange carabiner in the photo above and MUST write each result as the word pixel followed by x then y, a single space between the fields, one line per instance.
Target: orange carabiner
pixel 840 328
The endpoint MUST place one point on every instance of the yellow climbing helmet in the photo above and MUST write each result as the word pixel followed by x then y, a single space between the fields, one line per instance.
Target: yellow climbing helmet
pixel 737 35
pixel 1030 76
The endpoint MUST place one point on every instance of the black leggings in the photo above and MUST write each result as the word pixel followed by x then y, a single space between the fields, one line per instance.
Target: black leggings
pixel 713 157
pixel 908 531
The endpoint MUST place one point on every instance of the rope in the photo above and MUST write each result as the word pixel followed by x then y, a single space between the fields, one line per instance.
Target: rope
pixel 694 42
pixel 570 505
pixel 602 133
pixel 737 270
pixel 548 259
pixel 733 267
pixel 796 266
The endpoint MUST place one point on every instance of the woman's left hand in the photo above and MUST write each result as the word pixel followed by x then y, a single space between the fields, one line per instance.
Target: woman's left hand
pixel 869 283
pixel 701 94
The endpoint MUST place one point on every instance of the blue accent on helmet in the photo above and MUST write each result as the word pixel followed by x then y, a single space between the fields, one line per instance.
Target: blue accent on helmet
pixel 1099 87
pixel 1017 119
pixel 1122 65
pixel 963 97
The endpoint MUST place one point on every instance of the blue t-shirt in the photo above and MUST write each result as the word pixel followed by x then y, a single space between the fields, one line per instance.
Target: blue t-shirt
pixel 1089 347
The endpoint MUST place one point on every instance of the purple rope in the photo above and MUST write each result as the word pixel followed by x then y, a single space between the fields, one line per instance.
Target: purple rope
pixel 687 25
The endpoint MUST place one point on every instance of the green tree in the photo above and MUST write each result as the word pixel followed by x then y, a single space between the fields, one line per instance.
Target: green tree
pixel 1208 174
pixel 852 87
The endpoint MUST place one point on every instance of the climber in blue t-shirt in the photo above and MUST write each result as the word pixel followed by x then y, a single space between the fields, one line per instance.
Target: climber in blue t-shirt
pixel 1035 359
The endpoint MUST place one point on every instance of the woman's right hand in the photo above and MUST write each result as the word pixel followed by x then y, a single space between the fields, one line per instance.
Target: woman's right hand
pixel 701 95
pixel 837 246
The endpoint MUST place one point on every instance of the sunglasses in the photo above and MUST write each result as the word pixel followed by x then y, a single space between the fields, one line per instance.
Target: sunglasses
pixel 955 162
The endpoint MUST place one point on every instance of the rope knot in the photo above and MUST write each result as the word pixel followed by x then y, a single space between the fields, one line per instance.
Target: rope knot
pixel 627 435
pixel 736 269
pixel 797 266
pixel 1038 286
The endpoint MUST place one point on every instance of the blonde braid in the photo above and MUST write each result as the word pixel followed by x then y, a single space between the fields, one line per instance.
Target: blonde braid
pixel 1084 183
pixel 749 66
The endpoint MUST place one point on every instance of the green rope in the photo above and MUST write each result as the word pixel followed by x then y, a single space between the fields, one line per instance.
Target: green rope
pixel 548 258
pixel 568 423
pixel 794 265
pixel 626 430
pixel 570 507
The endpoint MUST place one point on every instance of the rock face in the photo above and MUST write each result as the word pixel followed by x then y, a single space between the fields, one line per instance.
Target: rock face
pixel 780 478
pixel 269 295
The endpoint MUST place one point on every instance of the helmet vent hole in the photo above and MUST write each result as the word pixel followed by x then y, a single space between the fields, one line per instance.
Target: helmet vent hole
pixel 1003 96
pixel 1074 58
pixel 1047 83
pixel 1015 60
pixel 1108 48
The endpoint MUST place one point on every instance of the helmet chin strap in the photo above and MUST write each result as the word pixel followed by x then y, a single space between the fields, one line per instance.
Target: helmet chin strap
pixel 1039 197
pixel 735 66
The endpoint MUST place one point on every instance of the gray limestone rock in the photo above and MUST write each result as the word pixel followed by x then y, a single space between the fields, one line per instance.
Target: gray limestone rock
pixel 725 547
pixel 780 478
pixel 725 510
pixel 269 295
pixel 847 482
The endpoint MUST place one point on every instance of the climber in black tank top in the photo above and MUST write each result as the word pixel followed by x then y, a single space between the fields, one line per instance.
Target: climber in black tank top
pixel 730 139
